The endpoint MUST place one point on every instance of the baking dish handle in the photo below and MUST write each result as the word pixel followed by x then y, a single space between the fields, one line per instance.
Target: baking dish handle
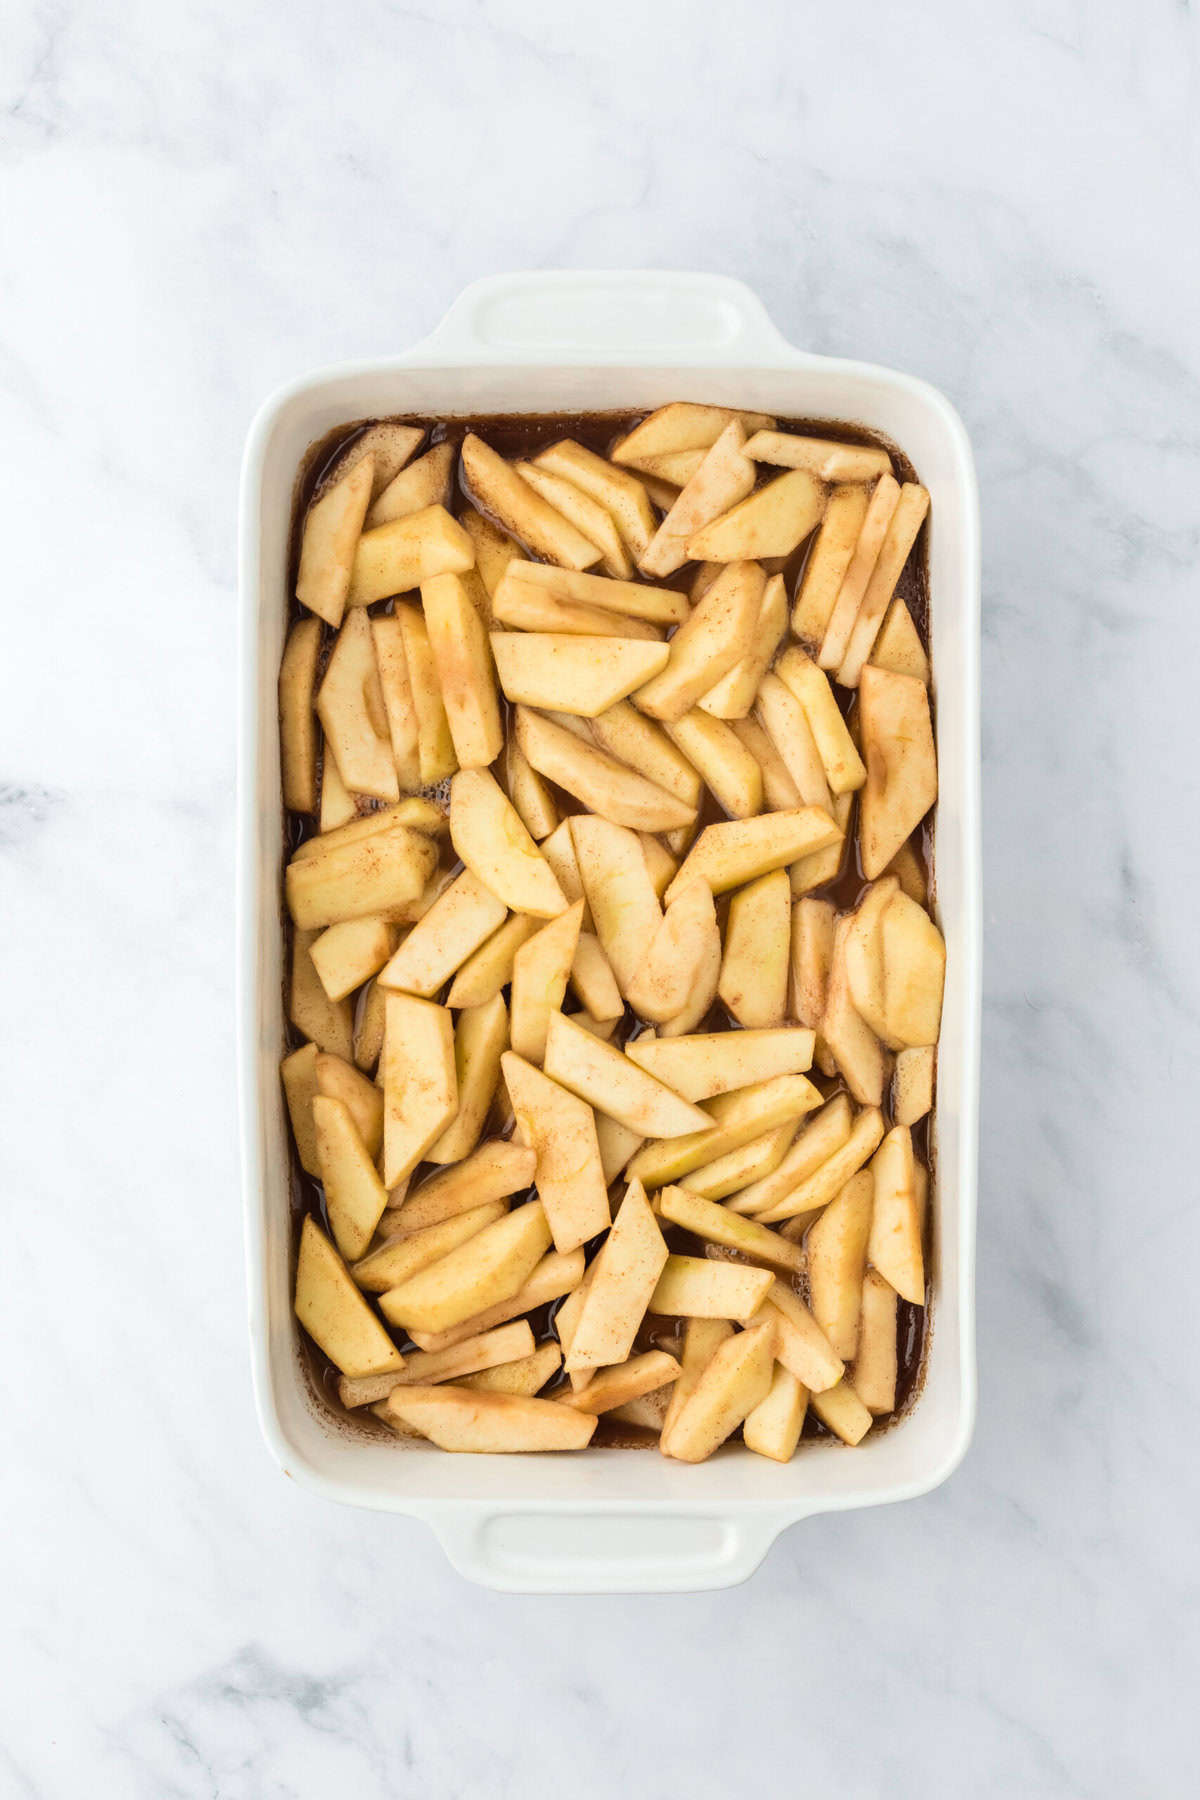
pixel 605 316
pixel 613 1551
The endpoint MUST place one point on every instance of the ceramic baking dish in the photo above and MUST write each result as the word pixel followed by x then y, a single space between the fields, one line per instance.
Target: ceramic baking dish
pixel 608 1520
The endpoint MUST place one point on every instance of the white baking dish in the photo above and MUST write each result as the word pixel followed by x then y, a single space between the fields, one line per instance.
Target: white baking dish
pixel 609 1520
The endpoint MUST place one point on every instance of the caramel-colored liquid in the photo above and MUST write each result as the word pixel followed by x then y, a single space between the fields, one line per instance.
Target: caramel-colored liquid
pixel 521 436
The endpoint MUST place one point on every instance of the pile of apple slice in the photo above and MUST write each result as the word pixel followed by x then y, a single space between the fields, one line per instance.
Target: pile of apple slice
pixel 564 1043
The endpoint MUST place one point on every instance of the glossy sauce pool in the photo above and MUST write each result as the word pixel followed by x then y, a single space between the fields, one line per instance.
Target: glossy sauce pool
pixel 521 436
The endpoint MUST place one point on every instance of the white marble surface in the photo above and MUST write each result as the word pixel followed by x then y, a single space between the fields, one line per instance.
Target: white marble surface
pixel 202 199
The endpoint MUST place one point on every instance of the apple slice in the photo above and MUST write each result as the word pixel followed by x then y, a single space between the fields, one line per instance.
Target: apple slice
pixel 623 1383
pixel 611 1083
pixel 645 746
pixel 332 527
pixel 541 969
pixel 786 724
pixel 772 521
pixel 683 425
pixel 898 646
pixel 844 768
pixel 723 477
pixel 391 659
pixel 389 445
pixel 297 720
pixel 500 491
pixel 601 783
pixel 400 1258
pixel 812 1191
pixel 876 520
pixel 453 606
pixel 736 1380
pixel 494 551
pixel 706 976
pixel 853 1045
pixel 735 693
pixel 554 1276
pixel 758 938
pixel 633 599
pixel 488 834
pixel 715 1223
pixel 338 805
pixel 913 953
pixel 490 1351
pixel 480 1039
pixel 325 1022
pixel 490 968
pixel 530 795
pixel 737 1119
pixel 360 877
pixel 875 1363
pixel 458 922
pixel 627 1269
pixel 780 792
pixel 828 561
pixel 368 1027
pixel 823 457
pixel 800 1344
pixel 730 772
pixel 348 954
pixel 611 865
pixel 720 1061
pixel 485 1271
pixel 693 1287
pixel 363 1099
pixel 894 1247
pixel 399 556
pixel 717 635
pixel 350 708
pixel 912 1085
pixel 812 953
pixel 837 1261
pixel 841 1409
pixel 299 1075
pixel 493 1172
pixel 728 855
pixel 426 482
pixel 740 1168
pixel 420 1087
pixel 773 1428
pixel 586 514
pixel 593 981
pixel 569 673
pixel 901 785
pixel 562 1131
pixel 621 494
pixel 702 1338
pixel 821 1136
pixel 676 956
pixel 527 1376
pixel 465 1419
pixel 525 605
pixel 905 523
pixel 435 743
pixel 414 813
pixel 334 1313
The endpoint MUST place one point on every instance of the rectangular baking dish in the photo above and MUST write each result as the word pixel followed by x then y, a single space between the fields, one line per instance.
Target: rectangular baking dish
pixel 608 1520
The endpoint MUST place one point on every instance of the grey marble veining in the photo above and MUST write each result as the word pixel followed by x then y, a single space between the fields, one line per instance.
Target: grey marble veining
pixel 202 200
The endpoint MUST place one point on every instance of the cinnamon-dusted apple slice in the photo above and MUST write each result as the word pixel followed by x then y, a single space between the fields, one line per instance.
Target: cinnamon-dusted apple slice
pixel 334 1313
pixel 817 1189
pixel 875 1361
pixel 426 482
pixel 894 1246
pixel 786 724
pixel 391 659
pixel 773 1428
pixel 488 834
pixel 828 560
pixel 898 646
pixel 494 551
pixel 758 939
pixel 692 1287
pixel 402 1257
pixel 729 1174
pixel 465 1419
pixel 632 599
pixel 737 1119
pixel 497 1169
pixel 480 1039
pixel 535 804
pixel 355 877
pixel 458 922
pixel 702 1338
pixel 729 771
pixel 435 744
pixel 822 457
pixel 780 793
pixel 453 606
pixel 901 786
pixel 854 1046
pixel 527 605
pixel 396 557
pixel 350 708
pixel 561 1129
pixel 420 1085
pixel 735 693
pixel 633 739
pixel 499 490
pixel 555 1275
pixel 621 494
pixel 389 445
pixel 842 1410
pixel 840 624
pixel 709 1220
pixel 570 673
pixel 611 865
pixel 718 1062
pixel 332 528
pixel 728 855
pixel 611 1083
pixel 772 521
pixel 905 523
pixel 559 851
pixel 541 970
pixel 527 1376
pixel 800 1344
pixel 297 719
pixel 683 425
pixel 724 477
pixel 837 1261
pixel 912 1084
pixel 414 813
pixel 812 953
pixel 325 1022
pixel 626 1272
pixel 736 1381
pixel 299 1075
pixel 586 514
pixel 664 476
pixel 485 1271
pixel 705 979
pixel 490 968
pixel 665 976
pixel 623 1383
pixel 368 1027
pixel 593 981
pixel 488 1351
pixel 348 954
pixel 716 636
pixel 598 780
pixel 844 769
pixel 821 866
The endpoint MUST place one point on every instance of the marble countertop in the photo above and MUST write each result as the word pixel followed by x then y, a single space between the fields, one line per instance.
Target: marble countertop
pixel 202 200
